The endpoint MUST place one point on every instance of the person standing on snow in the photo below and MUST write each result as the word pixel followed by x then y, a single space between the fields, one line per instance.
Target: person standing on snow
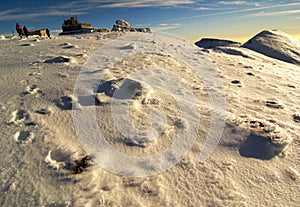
pixel 19 30
pixel 25 30
pixel 48 33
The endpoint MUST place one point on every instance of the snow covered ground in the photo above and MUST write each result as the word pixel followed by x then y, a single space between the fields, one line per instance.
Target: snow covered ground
pixel 255 163
pixel 276 44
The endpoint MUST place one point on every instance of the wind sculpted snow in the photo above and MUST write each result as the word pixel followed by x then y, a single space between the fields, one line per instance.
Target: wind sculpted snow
pixel 254 164
pixel 276 44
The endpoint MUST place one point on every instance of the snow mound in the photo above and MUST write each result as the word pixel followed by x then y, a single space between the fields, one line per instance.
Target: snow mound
pixel 265 140
pixel 52 162
pixel 209 43
pixel 109 87
pixel 276 44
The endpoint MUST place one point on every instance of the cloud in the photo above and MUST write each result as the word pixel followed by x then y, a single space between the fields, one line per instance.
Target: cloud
pixel 239 3
pixel 232 2
pixel 90 5
pixel 261 14
pixel 85 6
pixel 164 27
pixel 158 29
pixel 140 3
pixel 28 13
pixel 7 12
pixel 226 5
pixel 233 12
pixel 11 16
pixel 203 8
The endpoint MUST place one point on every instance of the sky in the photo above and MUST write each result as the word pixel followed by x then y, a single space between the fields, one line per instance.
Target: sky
pixel 236 20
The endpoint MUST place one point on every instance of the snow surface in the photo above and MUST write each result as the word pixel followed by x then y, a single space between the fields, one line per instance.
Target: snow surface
pixel 210 43
pixel 276 44
pixel 255 164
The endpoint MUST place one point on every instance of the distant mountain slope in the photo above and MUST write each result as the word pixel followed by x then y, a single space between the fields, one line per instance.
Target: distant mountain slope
pixel 209 43
pixel 276 44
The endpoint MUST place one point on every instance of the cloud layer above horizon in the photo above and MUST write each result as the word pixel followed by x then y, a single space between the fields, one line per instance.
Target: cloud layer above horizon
pixel 161 14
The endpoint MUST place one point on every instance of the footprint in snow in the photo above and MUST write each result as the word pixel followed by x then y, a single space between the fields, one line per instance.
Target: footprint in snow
pixel 43 112
pixel 24 137
pixel 68 46
pixel 19 116
pixel 64 44
pixel 237 82
pixel 27 45
pixel 291 86
pixel 81 55
pixel 296 118
pixel 61 75
pixel 59 59
pixel 34 73
pixel 131 46
pixel 65 103
pixel 33 89
pixel 274 104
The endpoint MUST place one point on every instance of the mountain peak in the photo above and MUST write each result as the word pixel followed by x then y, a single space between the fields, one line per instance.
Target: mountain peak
pixel 276 44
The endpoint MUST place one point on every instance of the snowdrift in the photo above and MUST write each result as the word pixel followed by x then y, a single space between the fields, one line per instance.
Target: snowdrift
pixel 276 44
pixel 255 163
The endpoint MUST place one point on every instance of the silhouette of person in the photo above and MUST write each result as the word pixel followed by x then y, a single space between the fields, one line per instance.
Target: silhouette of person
pixel 25 30
pixel 48 32
pixel 19 30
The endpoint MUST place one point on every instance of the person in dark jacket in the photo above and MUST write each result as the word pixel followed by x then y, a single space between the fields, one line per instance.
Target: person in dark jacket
pixel 25 30
pixel 48 32
pixel 19 30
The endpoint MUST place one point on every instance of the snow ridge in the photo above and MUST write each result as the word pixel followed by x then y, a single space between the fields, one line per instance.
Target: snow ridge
pixel 276 44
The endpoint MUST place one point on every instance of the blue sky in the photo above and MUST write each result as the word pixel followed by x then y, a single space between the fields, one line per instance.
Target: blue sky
pixel 192 19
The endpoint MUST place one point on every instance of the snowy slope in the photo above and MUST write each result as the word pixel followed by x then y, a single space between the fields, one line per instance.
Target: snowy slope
pixel 255 163
pixel 209 43
pixel 276 44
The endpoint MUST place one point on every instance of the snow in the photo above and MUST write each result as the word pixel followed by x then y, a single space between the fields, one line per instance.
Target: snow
pixel 210 43
pixel 276 44
pixel 2 37
pixel 254 164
